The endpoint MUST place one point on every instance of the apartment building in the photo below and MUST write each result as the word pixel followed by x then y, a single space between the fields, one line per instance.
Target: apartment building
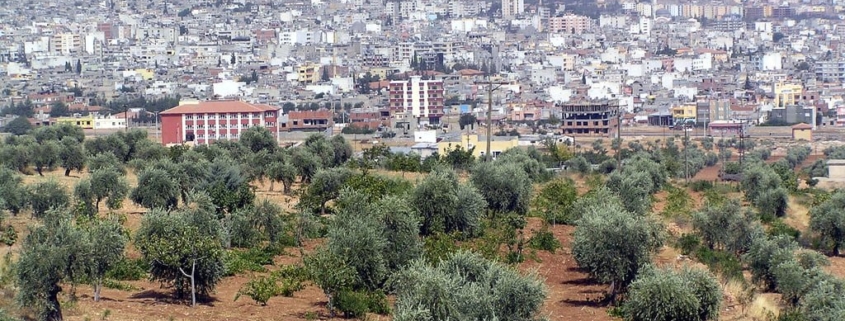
pixel 569 23
pixel 590 118
pixel 787 94
pixel 309 73
pixel 830 70
pixel 65 43
pixel 207 121
pixel 512 8
pixel 417 97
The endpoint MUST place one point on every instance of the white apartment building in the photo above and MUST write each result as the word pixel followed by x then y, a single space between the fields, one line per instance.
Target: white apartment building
pixel 512 8
pixel 422 98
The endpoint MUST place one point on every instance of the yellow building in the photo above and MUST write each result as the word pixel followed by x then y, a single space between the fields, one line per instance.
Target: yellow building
pixel 684 112
pixel 146 73
pixel 498 144
pixel 309 73
pixel 787 94
pixel 86 122
pixel 802 131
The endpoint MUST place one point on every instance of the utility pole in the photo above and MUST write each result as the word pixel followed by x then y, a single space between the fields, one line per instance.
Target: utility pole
pixel 619 137
pixel 126 118
pixel 686 160
pixel 490 89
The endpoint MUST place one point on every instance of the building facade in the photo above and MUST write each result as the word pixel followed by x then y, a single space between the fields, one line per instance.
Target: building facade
pixel 512 8
pixel 208 121
pixel 570 23
pixel 423 99
pixel 589 118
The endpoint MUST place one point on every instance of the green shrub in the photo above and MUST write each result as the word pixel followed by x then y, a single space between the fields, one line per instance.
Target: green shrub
pixel 291 278
pixel 778 227
pixel 688 243
pixel 439 246
pixel 701 186
pixel 252 260
pixel 544 240
pixel 352 304
pixel 722 263
pixel 260 290
pixel 128 270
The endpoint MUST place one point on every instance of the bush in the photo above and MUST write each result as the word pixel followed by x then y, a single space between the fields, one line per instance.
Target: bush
pixel 778 227
pixel 700 186
pixel 688 243
pixel 352 304
pixel 252 260
pixel 355 304
pixel 544 240
pixel 128 270
pixel 723 263
pixel 667 295
pixel 260 290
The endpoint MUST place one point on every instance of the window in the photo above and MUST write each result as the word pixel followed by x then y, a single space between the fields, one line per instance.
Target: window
pixel 233 115
pixel 244 115
pixel 256 115
pixel 222 116
pixel 269 124
pixel 189 116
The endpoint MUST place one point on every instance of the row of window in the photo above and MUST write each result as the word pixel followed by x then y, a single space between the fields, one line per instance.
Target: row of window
pixel 219 136
pixel 234 126
pixel 229 115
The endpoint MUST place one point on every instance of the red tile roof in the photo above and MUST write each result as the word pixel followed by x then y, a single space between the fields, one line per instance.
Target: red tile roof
pixel 219 106
pixel 802 126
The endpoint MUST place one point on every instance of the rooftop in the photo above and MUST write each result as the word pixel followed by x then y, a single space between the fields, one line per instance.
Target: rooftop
pixel 219 106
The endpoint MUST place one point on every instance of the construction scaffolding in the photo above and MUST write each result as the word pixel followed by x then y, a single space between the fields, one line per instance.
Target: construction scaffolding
pixel 590 118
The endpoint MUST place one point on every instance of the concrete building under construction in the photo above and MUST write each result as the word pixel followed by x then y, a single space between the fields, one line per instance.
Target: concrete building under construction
pixel 590 118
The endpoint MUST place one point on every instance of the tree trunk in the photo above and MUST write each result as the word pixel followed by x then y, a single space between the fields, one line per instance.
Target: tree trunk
pixel 193 285
pixel 98 286
pixel 53 307
pixel 330 305
pixel 272 182
pixel 38 169
pixel 67 171
pixel 286 187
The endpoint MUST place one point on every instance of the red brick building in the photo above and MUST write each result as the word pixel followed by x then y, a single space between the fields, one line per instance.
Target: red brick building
pixel 307 120
pixel 207 121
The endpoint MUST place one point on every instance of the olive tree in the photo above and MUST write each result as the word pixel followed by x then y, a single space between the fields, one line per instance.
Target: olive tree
pixel 71 155
pixel 446 205
pixel 764 255
pixel 108 184
pixel 46 196
pixel 48 257
pixel 726 226
pixel 283 172
pixel 326 185
pixel 184 249
pixel 827 220
pixel 374 237
pixel 45 156
pixel 257 139
pixel 14 194
pixel 668 295
pixel 762 187
pixel 104 160
pixel 342 150
pixel 330 273
pixel 506 187
pixel 306 162
pixel 156 189
pixel 612 245
pixel 104 245
pixel 466 287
